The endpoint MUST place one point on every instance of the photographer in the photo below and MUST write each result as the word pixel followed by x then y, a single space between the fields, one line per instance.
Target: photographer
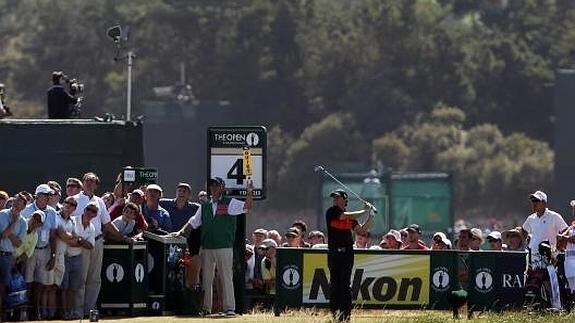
pixel 60 102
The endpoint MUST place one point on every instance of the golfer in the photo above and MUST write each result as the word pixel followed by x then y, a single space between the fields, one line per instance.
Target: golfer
pixel 340 224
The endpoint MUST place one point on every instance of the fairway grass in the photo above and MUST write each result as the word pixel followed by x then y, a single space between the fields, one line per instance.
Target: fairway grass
pixel 363 316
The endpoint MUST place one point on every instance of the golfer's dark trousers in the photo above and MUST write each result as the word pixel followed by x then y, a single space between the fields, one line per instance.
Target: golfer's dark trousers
pixel 340 263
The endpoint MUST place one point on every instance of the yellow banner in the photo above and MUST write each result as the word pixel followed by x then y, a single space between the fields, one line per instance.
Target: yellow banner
pixel 247 163
pixel 376 279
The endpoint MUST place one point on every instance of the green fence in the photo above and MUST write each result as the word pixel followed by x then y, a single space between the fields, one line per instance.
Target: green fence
pixel 401 199
pixel 396 279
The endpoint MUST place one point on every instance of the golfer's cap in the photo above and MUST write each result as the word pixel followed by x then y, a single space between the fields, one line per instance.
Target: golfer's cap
pixel 539 195
pixel 339 192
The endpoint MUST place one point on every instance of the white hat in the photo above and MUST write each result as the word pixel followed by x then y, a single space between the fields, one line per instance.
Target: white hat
pixel 138 191
pixel 540 195
pixel 44 189
pixel 494 235
pixel 268 243
pixel 395 234
pixel 154 187
pixel 443 238
pixel 41 214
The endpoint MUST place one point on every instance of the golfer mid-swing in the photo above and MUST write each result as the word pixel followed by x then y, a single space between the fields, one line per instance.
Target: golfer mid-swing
pixel 340 224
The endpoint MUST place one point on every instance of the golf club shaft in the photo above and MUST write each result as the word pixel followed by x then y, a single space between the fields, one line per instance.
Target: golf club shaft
pixel 345 186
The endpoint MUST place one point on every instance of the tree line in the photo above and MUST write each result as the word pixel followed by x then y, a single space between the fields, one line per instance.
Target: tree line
pixel 458 85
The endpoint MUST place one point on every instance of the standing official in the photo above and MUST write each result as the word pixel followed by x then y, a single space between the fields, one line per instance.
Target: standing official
pixel 340 225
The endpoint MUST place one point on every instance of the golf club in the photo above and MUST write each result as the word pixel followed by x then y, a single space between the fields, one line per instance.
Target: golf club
pixel 322 169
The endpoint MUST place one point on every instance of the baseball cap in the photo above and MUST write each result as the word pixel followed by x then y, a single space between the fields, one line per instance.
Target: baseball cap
pixel 261 231
pixel 138 192
pixel 495 235
pixel 338 192
pixel 185 185
pixel 443 238
pixel 395 234
pixel 293 231
pixel 517 230
pixel 216 181
pixel 41 214
pixel 414 227
pixel 268 243
pixel 44 189
pixel 476 233
pixel 539 195
pixel 155 187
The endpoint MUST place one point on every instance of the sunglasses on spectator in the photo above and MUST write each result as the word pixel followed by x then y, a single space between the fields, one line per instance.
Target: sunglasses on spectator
pixel 73 185
pixel 535 200
pixel 262 248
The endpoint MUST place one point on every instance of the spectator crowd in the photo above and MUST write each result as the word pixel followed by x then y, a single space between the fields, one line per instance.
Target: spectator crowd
pixel 53 241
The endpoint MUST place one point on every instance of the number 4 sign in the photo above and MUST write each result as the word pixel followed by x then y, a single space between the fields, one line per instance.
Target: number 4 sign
pixel 236 154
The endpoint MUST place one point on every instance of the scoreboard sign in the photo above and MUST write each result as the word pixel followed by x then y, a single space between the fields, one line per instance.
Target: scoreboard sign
pixel 238 154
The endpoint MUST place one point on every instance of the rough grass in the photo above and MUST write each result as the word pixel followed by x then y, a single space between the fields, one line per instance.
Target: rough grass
pixel 365 316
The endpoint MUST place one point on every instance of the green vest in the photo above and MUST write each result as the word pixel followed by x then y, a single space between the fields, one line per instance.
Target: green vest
pixel 218 231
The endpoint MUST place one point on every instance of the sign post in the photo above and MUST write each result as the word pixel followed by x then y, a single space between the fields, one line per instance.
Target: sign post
pixel 237 154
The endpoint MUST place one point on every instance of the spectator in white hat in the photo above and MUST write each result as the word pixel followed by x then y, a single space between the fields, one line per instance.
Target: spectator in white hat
pixel 495 241
pixel 440 241
pixel 156 216
pixel 543 225
pixel 392 240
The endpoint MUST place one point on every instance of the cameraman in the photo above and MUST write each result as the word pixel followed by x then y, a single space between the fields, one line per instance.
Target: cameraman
pixel 60 102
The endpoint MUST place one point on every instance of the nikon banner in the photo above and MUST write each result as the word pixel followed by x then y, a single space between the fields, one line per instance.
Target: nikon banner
pixel 399 279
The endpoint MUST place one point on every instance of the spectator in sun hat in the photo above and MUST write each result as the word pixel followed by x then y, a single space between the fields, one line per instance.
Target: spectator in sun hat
pixel 514 239
pixel 475 238
pixel 495 241
pixel 392 240
pixel 440 241
pixel 414 238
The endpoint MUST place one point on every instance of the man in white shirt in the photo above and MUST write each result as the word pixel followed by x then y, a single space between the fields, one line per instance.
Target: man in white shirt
pixel 542 225
pixel 92 265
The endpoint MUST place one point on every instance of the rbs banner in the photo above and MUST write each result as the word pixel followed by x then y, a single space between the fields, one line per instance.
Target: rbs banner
pixel 393 279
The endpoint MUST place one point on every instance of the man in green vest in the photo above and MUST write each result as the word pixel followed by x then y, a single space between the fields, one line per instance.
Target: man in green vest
pixel 217 218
